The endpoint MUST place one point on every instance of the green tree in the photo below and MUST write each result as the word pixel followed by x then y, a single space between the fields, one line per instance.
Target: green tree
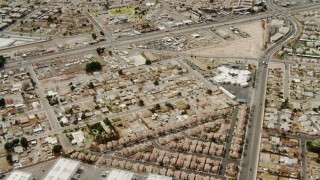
pixel 209 91
pixel 100 50
pixel 24 142
pixel 8 146
pixel 169 105
pixel 101 33
pixel 110 53
pixel 94 36
pixel 156 82
pixel 157 106
pixel 285 104
pixel 120 72
pixel 93 66
pixel 141 103
pixel 148 62
pixel 2 61
pixel 57 149
pixel 2 102
pixel 91 85
pixel 9 158
pixel 15 142
pixel 50 19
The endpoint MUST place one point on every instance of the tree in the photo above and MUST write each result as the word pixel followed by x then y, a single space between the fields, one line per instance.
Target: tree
pixel 209 91
pixel 91 85
pixel 110 53
pixel 2 102
pixel 57 149
pixel 15 141
pixel 169 105
pixel 9 158
pixel 8 146
pixel 93 66
pixel 120 72
pixel 156 82
pixel 94 36
pixel 141 103
pixel 157 106
pixel 148 62
pixel 285 104
pixel 2 61
pixel 50 19
pixel 100 50
pixel 24 142
pixel 101 33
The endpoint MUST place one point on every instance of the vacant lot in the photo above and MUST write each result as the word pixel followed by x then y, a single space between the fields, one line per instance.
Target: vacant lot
pixel 240 47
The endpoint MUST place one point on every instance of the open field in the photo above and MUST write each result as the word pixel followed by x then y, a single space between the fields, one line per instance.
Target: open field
pixel 244 47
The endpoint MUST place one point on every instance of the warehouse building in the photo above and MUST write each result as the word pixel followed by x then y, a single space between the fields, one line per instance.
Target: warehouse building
pixel 158 177
pixel 63 169
pixel 118 174
pixel 20 175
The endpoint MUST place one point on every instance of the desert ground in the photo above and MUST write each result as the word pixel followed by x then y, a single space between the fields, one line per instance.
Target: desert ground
pixel 240 47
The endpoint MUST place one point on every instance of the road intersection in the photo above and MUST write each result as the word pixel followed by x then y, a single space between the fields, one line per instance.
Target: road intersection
pixel 249 163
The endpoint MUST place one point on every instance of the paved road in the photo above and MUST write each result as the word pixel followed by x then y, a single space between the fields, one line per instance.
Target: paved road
pixel 197 75
pixel 251 161
pixel 26 17
pixel 43 100
pixel 101 29
pixel 155 35
pixel 286 82
pixel 96 120
pixel 226 160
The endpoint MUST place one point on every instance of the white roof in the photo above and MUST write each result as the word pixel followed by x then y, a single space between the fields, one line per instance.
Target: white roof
pixel 4 42
pixel 19 175
pixel 238 76
pixel 51 140
pixel 63 169
pixel 138 60
pixel 158 177
pixel 117 174
pixel 78 137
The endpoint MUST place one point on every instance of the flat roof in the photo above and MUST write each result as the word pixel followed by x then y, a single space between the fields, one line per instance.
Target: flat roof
pixel 19 175
pixel 158 177
pixel 5 42
pixel 63 169
pixel 118 174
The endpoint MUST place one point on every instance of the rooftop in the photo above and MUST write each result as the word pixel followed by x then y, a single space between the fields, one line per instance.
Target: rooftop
pixel 117 174
pixel 158 177
pixel 19 175
pixel 63 169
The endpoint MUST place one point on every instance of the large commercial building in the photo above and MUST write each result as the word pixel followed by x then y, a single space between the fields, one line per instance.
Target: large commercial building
pixel 19 175
pixel 118 174
pixel 158 177
pixel 63 169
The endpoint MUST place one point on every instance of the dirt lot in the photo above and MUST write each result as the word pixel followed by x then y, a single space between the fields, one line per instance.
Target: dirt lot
pixel 243 47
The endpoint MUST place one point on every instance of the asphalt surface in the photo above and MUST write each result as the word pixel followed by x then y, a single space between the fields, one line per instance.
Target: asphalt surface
pixel 153 35
pixel 250 162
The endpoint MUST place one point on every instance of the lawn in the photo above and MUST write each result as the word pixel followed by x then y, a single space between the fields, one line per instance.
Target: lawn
pixel 126 10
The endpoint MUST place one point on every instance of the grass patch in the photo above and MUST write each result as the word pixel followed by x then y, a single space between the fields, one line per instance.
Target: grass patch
pixel 126 10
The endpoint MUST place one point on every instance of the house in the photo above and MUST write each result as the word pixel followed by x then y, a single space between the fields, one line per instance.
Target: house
pixel 24 120
pixel 12 111
pixel 37 128
pixel 78 137
pixel 15 158
pixel 18 149
pixel 121 19
pixel 8 136
pixel 51 140
pixel 9 103
pixel 145 26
